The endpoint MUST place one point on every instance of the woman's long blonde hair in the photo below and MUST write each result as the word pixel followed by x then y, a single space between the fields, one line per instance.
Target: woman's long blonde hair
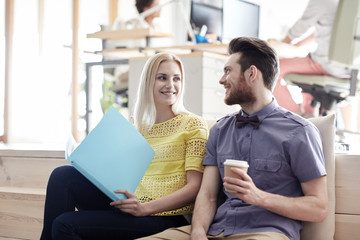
pixel 145 111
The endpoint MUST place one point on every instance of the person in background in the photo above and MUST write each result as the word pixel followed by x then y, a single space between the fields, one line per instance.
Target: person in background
pixel 143 5
pixel 147 22
pixel 286 179
pixel 318 19
pixel 165 195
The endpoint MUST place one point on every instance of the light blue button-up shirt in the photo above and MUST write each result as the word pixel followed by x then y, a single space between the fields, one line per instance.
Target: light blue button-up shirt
pixel 283 152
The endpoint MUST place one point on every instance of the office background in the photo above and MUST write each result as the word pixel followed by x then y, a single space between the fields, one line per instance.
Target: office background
pixel 40 96
pixel 43 53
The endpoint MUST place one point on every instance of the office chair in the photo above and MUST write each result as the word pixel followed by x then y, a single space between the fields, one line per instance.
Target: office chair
pixel 345 50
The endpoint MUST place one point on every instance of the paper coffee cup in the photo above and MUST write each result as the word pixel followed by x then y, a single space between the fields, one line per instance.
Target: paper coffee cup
pixel 229 163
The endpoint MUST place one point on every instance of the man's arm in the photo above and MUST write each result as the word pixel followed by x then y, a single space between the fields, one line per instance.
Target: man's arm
pixel 307 40
pixel 206 202
pixel 312 207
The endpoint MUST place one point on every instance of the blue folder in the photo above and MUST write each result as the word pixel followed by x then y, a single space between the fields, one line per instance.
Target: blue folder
pixel 114 155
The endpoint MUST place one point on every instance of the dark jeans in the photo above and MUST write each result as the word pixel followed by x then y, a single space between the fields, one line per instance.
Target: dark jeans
pixel 95 219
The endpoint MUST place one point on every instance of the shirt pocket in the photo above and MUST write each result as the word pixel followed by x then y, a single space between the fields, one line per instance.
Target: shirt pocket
pixel 267 165
pixel 266 173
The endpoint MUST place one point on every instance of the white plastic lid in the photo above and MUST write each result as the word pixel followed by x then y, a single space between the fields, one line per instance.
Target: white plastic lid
pixel 236 163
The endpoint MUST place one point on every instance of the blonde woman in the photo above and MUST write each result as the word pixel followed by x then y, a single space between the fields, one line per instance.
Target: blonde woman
pixel 168 189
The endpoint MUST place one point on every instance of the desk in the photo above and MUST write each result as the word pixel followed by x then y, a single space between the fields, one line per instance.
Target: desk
pixel 219 48
pixel 283 50
pixel 129 34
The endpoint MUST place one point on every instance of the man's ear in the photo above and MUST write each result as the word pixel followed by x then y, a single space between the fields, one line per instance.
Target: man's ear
pixel 253 72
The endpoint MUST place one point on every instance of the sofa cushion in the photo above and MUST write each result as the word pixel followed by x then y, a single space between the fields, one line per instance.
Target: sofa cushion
pixel 326 229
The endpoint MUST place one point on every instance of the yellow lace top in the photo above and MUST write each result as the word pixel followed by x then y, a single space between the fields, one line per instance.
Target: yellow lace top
pixel 179 146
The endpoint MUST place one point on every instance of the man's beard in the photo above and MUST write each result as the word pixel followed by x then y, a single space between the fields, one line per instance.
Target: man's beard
pixel 241 94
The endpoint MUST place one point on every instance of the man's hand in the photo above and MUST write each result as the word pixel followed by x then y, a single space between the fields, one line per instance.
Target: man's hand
pixel 311 207
pixel 243 187
pixel 198 234
pixel 130 205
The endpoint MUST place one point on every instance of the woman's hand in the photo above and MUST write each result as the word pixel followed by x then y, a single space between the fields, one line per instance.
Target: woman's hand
pixel 130 205
pixel 175 200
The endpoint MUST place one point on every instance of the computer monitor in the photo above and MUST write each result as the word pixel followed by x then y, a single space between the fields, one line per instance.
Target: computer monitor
pixel 206 14
pixel 240 19
pixel 227 19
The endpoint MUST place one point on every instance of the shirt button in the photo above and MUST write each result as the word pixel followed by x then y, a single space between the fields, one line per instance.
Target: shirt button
pixel 266 167
pixel 248 135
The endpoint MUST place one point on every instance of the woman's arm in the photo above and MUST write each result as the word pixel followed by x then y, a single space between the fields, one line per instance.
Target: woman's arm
pixel 177 199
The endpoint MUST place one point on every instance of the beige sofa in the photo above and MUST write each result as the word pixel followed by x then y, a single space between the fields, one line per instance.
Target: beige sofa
pixel 24 175
pixel 347 215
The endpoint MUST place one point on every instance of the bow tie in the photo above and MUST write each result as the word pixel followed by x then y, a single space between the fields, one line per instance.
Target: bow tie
pixel 242 121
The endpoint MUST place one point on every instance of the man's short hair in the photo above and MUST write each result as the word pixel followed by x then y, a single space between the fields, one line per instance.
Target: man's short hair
pixel 257 52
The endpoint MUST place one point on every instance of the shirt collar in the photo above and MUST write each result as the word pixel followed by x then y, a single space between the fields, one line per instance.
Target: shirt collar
pixel 264 112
